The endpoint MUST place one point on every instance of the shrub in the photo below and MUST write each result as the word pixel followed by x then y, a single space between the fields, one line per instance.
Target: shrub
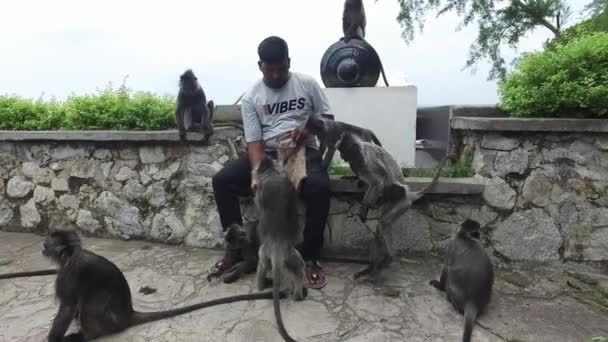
pixel 118 109
pixel 570 79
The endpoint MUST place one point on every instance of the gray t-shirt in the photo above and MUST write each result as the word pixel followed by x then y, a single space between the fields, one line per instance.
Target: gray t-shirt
pixel 269 112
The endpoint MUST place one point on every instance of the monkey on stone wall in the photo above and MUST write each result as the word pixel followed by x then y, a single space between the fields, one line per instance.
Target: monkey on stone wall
pixel 192 111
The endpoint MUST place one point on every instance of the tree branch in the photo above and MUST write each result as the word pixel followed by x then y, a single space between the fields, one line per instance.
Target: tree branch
pixel 539 19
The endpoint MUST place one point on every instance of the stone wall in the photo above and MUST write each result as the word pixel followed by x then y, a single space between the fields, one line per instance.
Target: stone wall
pixel 546 185
pixel 540 193
pixel 114 186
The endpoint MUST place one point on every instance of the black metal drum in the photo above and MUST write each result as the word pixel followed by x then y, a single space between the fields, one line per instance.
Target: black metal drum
pixel 352 64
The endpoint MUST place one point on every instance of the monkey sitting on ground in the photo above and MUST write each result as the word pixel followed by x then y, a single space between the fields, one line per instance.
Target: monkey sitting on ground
pixel 386 189
pixel 330 132
pixel 467 276
pixel 193 112
pixel 27 274
pixel 93 290
pixel 243 243
pixel 279 232
pixel 353 20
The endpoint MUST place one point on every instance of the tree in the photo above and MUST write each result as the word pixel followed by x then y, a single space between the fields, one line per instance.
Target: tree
pixel 500 22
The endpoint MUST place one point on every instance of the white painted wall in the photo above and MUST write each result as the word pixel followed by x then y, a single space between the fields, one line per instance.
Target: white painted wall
pixel 388 111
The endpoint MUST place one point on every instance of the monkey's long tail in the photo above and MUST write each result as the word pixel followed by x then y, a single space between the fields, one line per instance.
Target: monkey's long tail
pixel 28 274
pixel 422 192
pixel 276 287
pixel 470 314
pixel 146 317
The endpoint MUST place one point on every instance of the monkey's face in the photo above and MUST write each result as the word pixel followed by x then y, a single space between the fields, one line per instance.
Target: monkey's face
pixel 275 75
pixel 315 123
pixel 470 229
pixel 58 243
pixel 188 81
pixel 236 236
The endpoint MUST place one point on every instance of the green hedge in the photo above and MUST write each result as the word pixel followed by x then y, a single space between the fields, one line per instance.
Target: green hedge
pixel 569 79
pixel 117 109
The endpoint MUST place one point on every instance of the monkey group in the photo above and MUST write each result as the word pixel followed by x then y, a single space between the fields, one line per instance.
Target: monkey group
pixel 94 292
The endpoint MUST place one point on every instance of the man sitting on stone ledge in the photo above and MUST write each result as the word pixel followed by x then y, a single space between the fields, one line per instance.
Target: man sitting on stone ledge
pixel 273 106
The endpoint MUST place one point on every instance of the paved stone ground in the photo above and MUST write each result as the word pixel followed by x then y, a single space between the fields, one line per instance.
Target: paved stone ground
pixel 541 304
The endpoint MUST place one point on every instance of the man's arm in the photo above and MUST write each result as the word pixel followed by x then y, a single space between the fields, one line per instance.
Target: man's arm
pixel 253 132
pixel 319 100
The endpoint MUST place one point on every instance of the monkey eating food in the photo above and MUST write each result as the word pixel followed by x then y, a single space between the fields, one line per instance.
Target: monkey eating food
pixel 93 290
pixel 467 276
pixel 279 232
pixel 330 132
pixel 193 112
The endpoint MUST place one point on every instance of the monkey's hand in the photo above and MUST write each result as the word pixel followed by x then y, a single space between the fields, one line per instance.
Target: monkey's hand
pixel 435 283
pixel 298 134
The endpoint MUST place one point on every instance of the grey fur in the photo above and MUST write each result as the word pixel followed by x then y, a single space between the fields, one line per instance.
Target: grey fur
pixel 330 132
pixel 278 232
pixel 353 20
pixel 192 111
pixel 467 276
pixel 386 189
pixel 93 290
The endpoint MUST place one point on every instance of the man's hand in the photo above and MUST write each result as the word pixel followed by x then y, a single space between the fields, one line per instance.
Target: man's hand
pixel 298 134
pixel 255 151
pixel 254 182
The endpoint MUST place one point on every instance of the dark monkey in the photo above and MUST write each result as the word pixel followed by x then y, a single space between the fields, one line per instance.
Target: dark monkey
pixel 353 20
pixel 279 232
pixel 330 132
pixel 93 290
pixel 386 189
pixel 353 25
pixel 192 109
pixel 243 243
pixel 27 274
pixel 467 276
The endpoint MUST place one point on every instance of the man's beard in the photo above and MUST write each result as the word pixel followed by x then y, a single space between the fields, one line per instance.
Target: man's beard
pixel 275 84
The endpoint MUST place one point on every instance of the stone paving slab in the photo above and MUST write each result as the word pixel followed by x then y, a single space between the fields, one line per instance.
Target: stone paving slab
pixel 535 305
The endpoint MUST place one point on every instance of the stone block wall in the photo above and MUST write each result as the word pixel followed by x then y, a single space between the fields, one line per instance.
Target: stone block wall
pixel 546 183
pixel 156 190
pixel 539 191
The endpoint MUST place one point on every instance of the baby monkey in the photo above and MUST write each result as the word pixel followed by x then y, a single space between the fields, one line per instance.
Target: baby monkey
pixel 242 243
pixel 467 276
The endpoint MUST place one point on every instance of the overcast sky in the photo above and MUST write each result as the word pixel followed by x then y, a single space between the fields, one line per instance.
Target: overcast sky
pixel 64 46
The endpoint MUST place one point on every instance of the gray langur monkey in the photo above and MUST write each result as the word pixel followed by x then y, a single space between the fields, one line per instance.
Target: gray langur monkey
pixel 353 25
pixel 279 232
pixel 93 290
pixel 353 20
pixel 467 276
pixel 330 132
pixel 242 243
pixel 192 109
pixel 386 189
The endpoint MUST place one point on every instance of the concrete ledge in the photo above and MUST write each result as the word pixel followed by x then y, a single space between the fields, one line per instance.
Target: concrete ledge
pixel 529 124
pixel 106 136
pixel 452 186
